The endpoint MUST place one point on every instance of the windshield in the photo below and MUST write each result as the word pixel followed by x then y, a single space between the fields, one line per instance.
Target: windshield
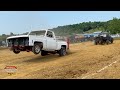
pixel 37 33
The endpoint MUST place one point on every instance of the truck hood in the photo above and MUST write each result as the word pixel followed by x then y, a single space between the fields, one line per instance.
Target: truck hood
pixel 17 36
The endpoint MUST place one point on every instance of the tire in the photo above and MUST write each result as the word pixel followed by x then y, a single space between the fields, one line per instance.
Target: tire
pixel 16 51
pixel 96 40
pixel 107 42
pixel 62 51
pixel 36 49
pixel 112 40
pixel 43 53
pixel 95 43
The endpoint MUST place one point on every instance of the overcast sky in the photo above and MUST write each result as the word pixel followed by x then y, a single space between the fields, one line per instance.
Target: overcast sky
pixel 24 21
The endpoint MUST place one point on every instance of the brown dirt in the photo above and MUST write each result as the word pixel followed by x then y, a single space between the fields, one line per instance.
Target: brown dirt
pixel 83 60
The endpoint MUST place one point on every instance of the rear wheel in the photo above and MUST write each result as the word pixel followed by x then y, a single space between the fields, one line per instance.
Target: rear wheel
pixel 36 48
pixel 43 53
pixel 16 51
pixel 112 40
pixel 62 51
pixel 107 42
pixel 95 42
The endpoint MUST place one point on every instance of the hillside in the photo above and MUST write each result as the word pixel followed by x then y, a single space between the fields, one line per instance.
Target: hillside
pixel 112 26
pixel 78 28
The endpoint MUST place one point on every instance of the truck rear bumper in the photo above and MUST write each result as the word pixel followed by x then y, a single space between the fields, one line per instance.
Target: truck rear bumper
pixel 21 48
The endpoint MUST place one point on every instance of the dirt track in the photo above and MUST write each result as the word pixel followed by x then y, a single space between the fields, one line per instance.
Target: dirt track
pixel 84 60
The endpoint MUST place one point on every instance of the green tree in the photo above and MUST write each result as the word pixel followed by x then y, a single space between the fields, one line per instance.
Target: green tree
pixel 114 26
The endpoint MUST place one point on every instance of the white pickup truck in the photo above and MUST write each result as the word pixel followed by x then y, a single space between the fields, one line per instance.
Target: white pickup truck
pixel 43 41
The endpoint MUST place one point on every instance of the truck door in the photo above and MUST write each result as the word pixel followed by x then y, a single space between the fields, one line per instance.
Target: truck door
pixel 51 41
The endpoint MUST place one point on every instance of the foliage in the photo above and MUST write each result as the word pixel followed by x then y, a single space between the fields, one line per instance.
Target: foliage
pixel 112 26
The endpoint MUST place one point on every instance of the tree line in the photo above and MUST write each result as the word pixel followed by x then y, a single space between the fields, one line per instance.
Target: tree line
pixel 112 26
